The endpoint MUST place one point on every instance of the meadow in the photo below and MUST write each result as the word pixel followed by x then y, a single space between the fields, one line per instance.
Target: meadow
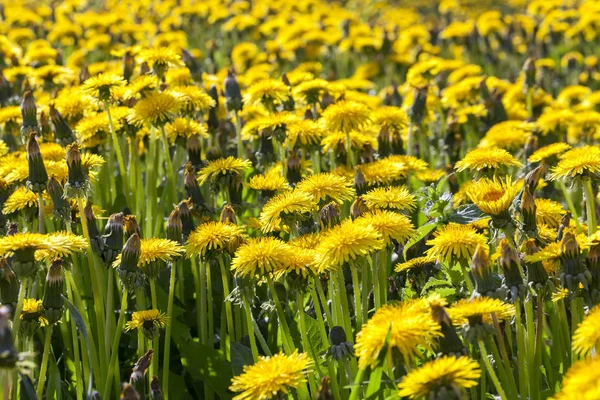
pixel 299 199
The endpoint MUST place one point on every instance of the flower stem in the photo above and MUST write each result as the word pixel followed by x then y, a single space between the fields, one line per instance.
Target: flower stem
pixel 228 309
pixel 521 351
pixel 305 342
pixel 41 213
pixel 343 300
pixel 357 299
pixel 570 204
pixel 249 320
pixel 167 345
pixel 117 147
pixel 76 356
pixel 357 385
pixel 151 199
pixel 286 336
pixel 590 206
pixel 198 282
pixel 490 370
pixel 114 353
pixel 155 344
pixel 238 133
pixel 44 366
pixel 171 178
pixel 19 309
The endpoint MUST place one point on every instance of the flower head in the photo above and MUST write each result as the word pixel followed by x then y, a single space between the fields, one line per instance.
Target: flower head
pixel 587 335
pixel 268 92
pixel 33 309
pixel 326 187
pixel 479 309
pixel 390 197
pixel 149 321
pixel 221 167
pixel 261 255
pixel 486 158
pixel 447 372
pixel 390 225
pixel 285 207
pixel 345 116
pixel 102 86
pixel 552 150
pixel 493 197
pixel 156 109
pixel 581 381
pixel 271 376
pixel 577 163
pixel 211 236
pixel 403 326
pixel 456 242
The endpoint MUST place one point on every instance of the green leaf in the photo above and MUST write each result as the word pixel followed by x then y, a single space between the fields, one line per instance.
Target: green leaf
pixel 240 356
pixel 445 292
pixel 53 391
pixel 27 390
pixel 432 283
pixel 314 337
pixel 374 386
pixel 466 214
pixel 422 232
pixel 84 333
pixel 207 365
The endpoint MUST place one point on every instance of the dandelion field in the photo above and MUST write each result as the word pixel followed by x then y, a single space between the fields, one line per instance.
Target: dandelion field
pixel 250 200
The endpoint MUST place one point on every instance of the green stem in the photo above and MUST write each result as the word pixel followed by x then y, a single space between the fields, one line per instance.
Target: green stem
pixel 570 204
pixel 250 325
pixel 114 353
pixel 228 309
pixel 490 370
pixel 172 180
pixel 20 301
pixel 238 133
pixel 305 342
pixel 151 199
pixel 286 336
pixel 109 320
pixel 342 298
pixel 44 366
pixel 200 322
pixel 76 356
pixel 590 206
pixel 534 388
pixel 357 299
pixel 357 387
pixel 521 352
pixel 465 272
pixel 117 147
pixel 155 356
pixel 167 346
pixel 323 298
pixel 41 213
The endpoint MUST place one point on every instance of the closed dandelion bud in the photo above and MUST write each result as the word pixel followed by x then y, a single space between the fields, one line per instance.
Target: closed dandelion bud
pixel 340 347
pixel 532 179
pixel 574 271
pixel 194 150
pixel 358 207
pixel 131 226
pixel 529 73
pixel 450 343
pixel 214 153
pixel 565 221
pixel 138 372
pixel 360 183
pixel 128 269
pixel 96 240
pixel 77 182
pixel 63 134
pixel 192 188
pixel 509 262
pixel 53 301
pixel 329 215
pixel 128 392
pixel 485 284
pixel 84 74
pixel 531 145
pixel 38 177
pixel 294 164
pixel 234 244
pixel 29 114
pixel 45 129
pixel 113 237
pixel 186 218
pixel 233 94
pixel 213 117
pixel 174 228
pixel 417 109
pixel 289 104
pixel 537 276
pixel 326 100
pixel 8 352
pixel 228 215
pixel 191 64
pixel 324 392
pixel 144 68
pixel 528 216
pixel 9 285
pixel 62 208
pixel 155 389
pixel 128 65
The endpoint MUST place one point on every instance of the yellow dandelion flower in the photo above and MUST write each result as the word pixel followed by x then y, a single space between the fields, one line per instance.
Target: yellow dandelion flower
pixel 140 87
pixel 154 249
pixel 391 118
pixel 162 57
pixel 304 133
pixel 325 187
pixel 548 212
pixel 543 153
pixel 271 182
pixel 156 109
pixel 211 236
pixel 560 294
pixel 402 326
pixel 382 172
pixel 307 241
pixel 61 244
pixel 581 381
pixel 268 92
pixel 390 197
pixel 448 372
pixel 52 151
pixel 587 335
pixel 578 162
pixel 486 158
pixel 102 86
pixel 185 128
pixel 260 256
pixel 310 91
pixel 390 225
pixel 301 262
pixel 345 116
pixel 222 167
pixel 346 242
pixel 149 321
pixel 20 199
pixel 285 206
pixel 456 242
pixel 430 175
pixel 194 99
pixel 493 197
pixel 414 263
pixel 33 310
pixel 271 376
pixel 336 141
pixel 479 309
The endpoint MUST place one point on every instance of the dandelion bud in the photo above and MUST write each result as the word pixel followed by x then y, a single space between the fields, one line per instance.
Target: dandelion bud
pixel 53 301
pixel 45 129
pixel 155 390
pixel 63 134
pixel 139 370
pixel 532 179
pixel 417 109
pixel 213 118
pixel 8 353
pixel 574 271
pixel 536 273
pixel 9 285
pixel 113 237
pixel 340 347
pixel 360 183
pixel 289 104
pixel 84 74
pixel 96 239
pixel 485 284
pixel 29 114
pixel 509 262
pixel 326 100
pixel 529 72
pixel 528 214
pixel 194 150
pixel 329 215
pixel 228 215
pixel 186 218
pixel 77 182
pixel 38 177
pixel 214 153
pixel 294 165
pixel 174 228
pixel 564 224
pixel 128 392
pixel 144 68
pixel 449 343
pixel 191 64
pixel 191 186
pixel 131 226
pixel 13 229
pixel 128 65
pixel 358 207
pixel 324 392
pixel 233 95
pixel 128 269
pixel 531 145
